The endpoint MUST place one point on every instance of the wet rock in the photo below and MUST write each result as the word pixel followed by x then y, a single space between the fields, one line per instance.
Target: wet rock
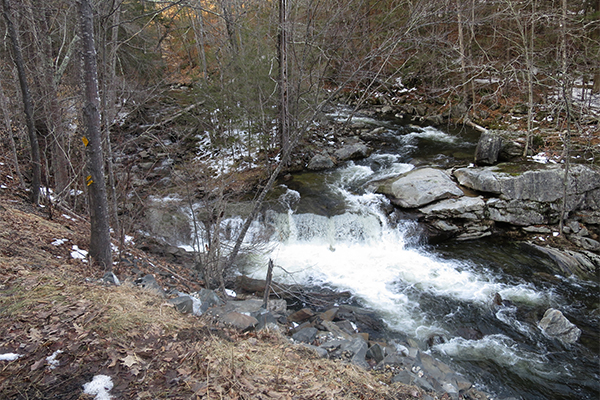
pixel 420 187
pixel 320 162
pixel 239 321
pixel 183 304
pixel 365 320
pixel 556 325
pixel 519 212
pixel 306 335
pixel 488 148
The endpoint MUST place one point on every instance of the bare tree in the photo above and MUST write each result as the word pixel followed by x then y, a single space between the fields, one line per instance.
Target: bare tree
pixel 27 103
pixel 100 244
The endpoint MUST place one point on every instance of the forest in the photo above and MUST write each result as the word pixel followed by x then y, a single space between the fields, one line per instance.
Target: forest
pixel 86 86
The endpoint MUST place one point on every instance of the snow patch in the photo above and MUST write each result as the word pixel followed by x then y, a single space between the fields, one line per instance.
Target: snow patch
pixel 79 254
pixel 99 386
pixel 52 361
pixel 10 356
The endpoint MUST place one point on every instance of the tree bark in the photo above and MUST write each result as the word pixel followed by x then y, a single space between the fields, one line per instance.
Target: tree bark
pixel 284 118
pixel 100 249
pixel 27 103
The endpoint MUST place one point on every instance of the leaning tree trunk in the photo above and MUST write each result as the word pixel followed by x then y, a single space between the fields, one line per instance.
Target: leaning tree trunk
pixel 36 172
pixel 100 250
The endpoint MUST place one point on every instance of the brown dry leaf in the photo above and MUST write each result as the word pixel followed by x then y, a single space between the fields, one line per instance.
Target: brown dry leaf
pixel 38 364
pixel 129 361
pixel 35 335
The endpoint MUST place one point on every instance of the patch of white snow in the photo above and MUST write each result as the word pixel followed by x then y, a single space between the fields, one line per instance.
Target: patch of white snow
pixel 9 356
pixel 99 386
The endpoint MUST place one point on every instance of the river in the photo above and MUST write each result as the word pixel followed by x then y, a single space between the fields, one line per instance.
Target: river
pixel 331 229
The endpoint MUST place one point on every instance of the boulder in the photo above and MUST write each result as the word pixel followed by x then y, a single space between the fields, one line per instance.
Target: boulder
pixel 555 324
pixel 420 187
pixel 352 151
pixel 209 299
pixel 488 148
pixel 301 315
pixel 320 162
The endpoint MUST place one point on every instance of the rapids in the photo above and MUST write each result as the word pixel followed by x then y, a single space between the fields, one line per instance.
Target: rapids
pixel 330 229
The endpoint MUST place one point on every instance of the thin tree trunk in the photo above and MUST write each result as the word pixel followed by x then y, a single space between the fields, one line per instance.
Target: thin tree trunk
pixel 566 92
pixel 284 118
pixel 9 133
pixel 54 114
pixel 100 249
pixel 27 103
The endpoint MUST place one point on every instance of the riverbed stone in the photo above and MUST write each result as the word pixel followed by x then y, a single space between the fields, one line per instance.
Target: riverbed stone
pixel 555 324
pixel 583 264
pixel 420 187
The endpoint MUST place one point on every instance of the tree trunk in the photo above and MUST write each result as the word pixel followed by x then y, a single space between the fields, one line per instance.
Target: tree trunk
pixel 36 173
pixel 100 249
pixel 9 133
pixel 284 118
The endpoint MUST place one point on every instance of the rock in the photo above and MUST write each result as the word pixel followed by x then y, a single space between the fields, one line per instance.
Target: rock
pixel 301 315
pixel 355 351
pixel 539 182
pixel 352 151
pixel 405 377
pixel 396 360
pixel 329 315
pixel 335 330
pixel 306 335
pixel 320 162
pixel 488 148
pixel 376 353
pixel 585 242
pixel 519 212
pixel 110 278
pixel 346 326
pixel 209 299
pixel 420 187
pixel 266 320
pixel 365 320
pixel 555 324
pixel 319 351
pixel 239 321
pixel 183 304
pixel 566 262
pixel 463 207
pixel 149 283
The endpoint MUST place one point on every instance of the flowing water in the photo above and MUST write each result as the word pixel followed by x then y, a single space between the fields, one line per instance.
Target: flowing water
pixel 330 229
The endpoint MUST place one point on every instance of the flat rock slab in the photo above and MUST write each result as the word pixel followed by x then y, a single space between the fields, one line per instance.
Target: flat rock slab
pixel 420 187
